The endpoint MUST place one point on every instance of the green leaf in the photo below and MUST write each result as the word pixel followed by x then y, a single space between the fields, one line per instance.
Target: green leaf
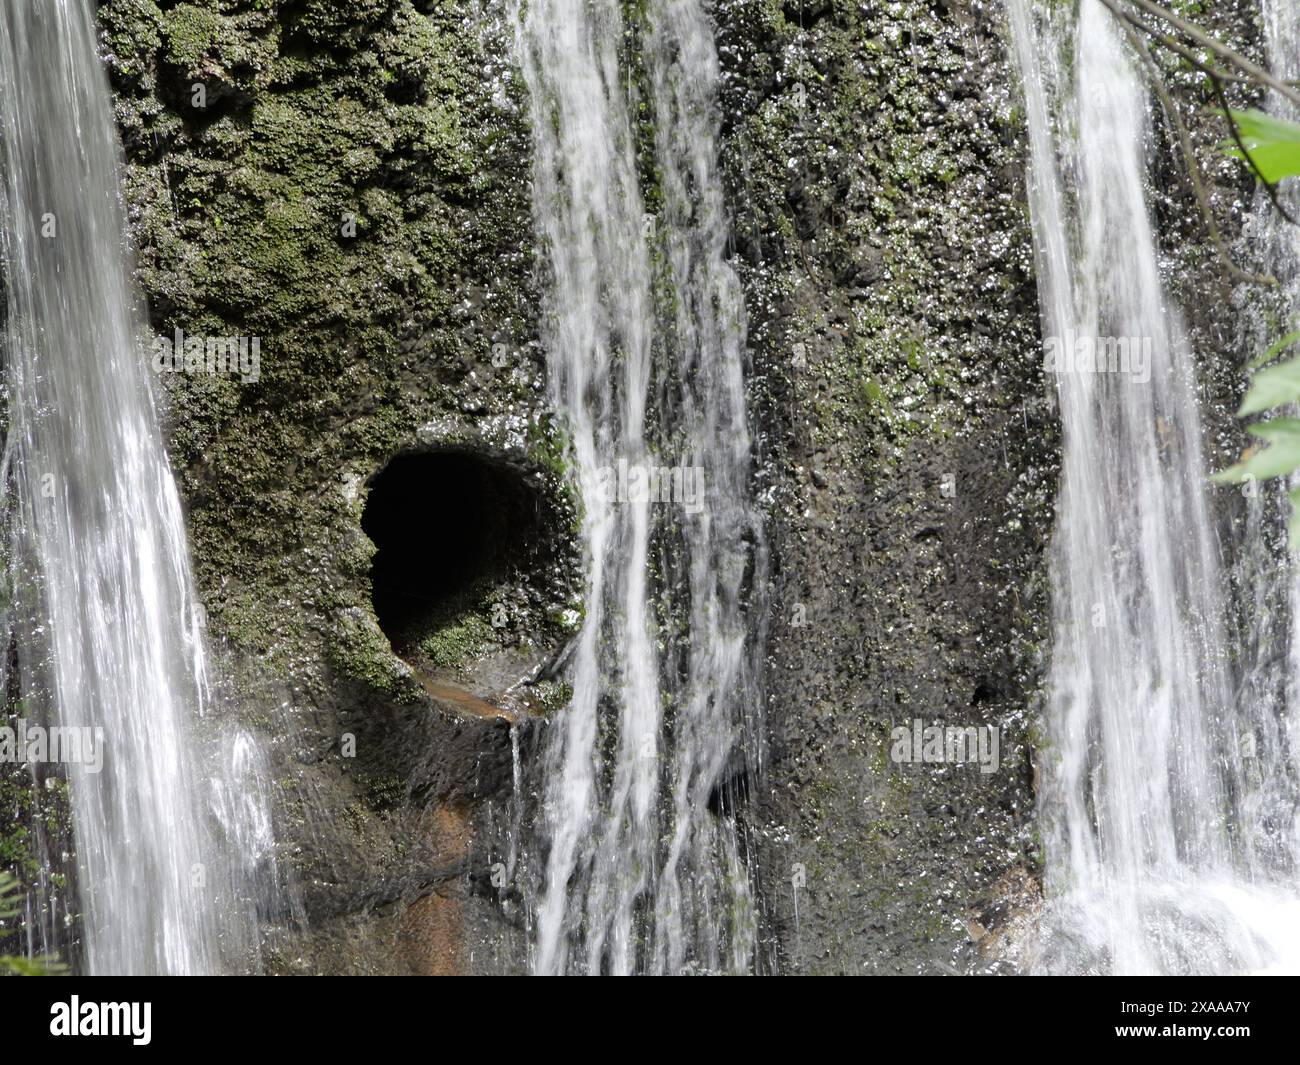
pixel 1276 350
pixel 1273 144
pixel 1273 387
pixel 1277 430
pixel 1280 458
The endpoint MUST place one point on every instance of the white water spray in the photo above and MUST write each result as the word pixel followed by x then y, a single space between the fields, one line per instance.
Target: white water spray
pixel 642 874
pixel 1148 831
pixel 109 633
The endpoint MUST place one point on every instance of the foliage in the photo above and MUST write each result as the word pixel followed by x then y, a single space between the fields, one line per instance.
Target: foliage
pixel 10 908
pixel 1274 152
pixel 1273 144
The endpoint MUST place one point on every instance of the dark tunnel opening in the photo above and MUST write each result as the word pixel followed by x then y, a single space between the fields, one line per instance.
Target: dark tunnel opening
pixel 443 524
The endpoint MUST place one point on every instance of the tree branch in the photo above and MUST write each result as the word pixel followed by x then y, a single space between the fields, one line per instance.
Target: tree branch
pixel 1194 169
pixel 1187 29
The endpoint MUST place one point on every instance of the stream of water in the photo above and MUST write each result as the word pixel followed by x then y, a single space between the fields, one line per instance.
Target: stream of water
pixel 1160 859
pixel 645 336
pixel 1168 802
pixel 168 833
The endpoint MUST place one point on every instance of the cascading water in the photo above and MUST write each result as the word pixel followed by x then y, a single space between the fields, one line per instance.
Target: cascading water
pixel 642 873
pixel 1271 644
pixel 109 634
pixel 1279 244
pixel 1148 825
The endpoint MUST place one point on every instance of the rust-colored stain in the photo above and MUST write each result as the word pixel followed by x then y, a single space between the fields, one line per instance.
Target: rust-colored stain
pixel 466 702
pixel 433 926
pixel 432 931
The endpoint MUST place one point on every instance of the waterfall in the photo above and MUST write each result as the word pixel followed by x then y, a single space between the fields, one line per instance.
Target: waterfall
pixel 645 337
pixel 1147 819
pixel 1271 645
pixel 1279 245
pixel 108 630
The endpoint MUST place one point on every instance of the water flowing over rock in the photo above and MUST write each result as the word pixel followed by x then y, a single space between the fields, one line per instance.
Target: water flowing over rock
pixel 677 487
pixel 1150 832
pixel 171 831
pixel 664 674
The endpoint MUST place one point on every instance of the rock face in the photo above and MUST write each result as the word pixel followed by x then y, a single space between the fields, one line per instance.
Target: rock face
pixel 349 184
pixel 877 167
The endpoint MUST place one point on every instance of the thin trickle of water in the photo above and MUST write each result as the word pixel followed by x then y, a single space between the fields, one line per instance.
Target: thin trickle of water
pixel 516 806
pixel 168 835
pixel 642 874
pixel 719 723
pixel 1279 244
pixel 1149 865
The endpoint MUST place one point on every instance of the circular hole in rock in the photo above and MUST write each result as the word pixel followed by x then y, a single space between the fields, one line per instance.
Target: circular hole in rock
pixel 445 525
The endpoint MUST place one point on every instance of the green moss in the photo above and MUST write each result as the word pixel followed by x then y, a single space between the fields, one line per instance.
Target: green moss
pixel 191 33
pixel 453 643
pixel 341 206
pixel 384 793
pixel 553 697
pixel 135 36
pixel 360 652
pixel 872 393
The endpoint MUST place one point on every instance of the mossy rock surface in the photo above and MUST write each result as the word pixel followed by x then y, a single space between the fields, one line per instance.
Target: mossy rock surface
pixel 348 183
pixel 355 193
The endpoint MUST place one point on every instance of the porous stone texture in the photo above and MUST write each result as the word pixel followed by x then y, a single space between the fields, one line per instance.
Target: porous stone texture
pixel 349 184
pixel 354 191
pixel 876 159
